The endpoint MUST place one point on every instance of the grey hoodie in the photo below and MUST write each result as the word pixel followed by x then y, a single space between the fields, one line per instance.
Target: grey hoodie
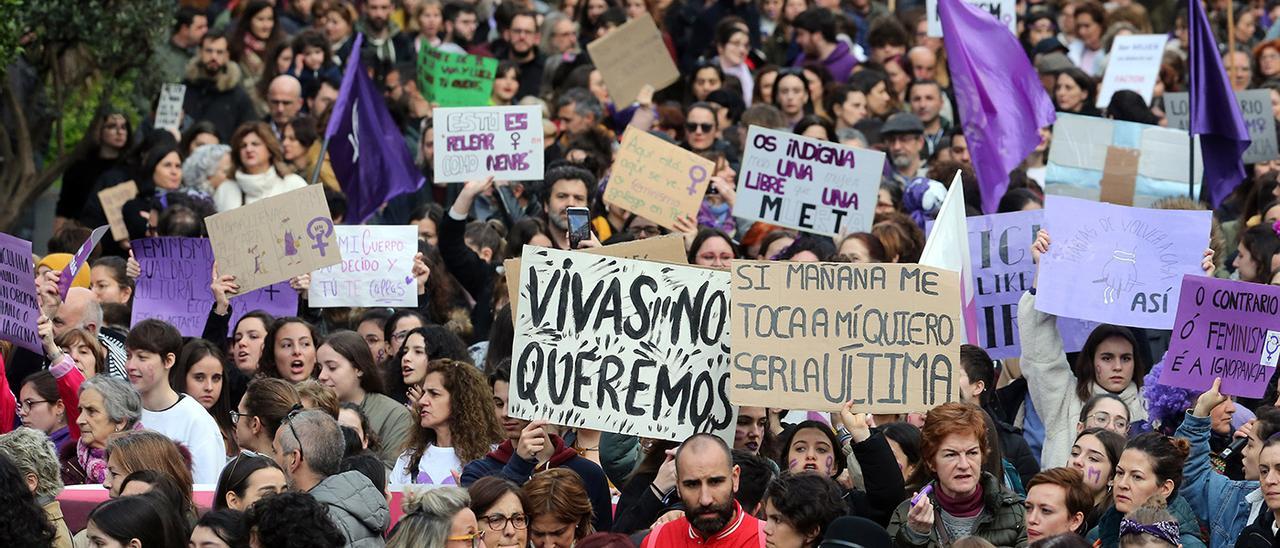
pixel 356 507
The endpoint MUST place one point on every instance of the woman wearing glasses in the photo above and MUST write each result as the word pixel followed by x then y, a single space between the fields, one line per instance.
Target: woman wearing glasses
pixel 500 506
pixel 265 404
pixel 247 478
pixel 437 517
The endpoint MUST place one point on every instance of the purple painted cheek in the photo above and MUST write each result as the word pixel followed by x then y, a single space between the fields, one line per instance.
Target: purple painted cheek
pixel 793 464
pixel 1093 474
pixel 831 464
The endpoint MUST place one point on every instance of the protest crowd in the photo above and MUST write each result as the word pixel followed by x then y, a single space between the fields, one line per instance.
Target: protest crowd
pixel 658 273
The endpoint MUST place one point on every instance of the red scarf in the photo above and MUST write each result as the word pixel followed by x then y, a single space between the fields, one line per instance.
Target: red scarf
pixel 961 507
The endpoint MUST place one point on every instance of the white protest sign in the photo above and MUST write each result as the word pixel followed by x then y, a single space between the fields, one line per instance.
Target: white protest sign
pixel 1004 10
pixel 376 269
pixel 1133 64
pixel 621 345
pixel 473 142
pixel 1255 107
pixel 807 184
pixel 169 109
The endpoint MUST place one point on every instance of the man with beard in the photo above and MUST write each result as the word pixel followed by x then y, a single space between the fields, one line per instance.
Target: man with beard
pixel 707 480
pixel 816 35
pixel 523 38
pixel 460 24
pixel 381 35
pixel 566 186
pixel 215 89
pixel 903 135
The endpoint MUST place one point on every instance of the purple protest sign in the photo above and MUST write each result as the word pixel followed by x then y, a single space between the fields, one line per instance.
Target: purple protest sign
pixel 1117 264
pixel 73 268
pixel 19 304
pixel 174 286
pixel 999 246
pixel 1224 329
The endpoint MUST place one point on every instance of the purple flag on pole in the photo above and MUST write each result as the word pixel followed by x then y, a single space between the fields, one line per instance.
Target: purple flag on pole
pixel 1215 115
pixel 368 154
pixel 1002 104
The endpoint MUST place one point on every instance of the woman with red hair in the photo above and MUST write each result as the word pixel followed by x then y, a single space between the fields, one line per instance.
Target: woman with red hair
pixel 959 499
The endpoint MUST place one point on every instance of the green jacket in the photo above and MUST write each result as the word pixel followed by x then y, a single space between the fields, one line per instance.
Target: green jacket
pixel 1003 521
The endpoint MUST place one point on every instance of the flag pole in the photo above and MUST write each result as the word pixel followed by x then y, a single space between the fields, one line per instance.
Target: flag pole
pixel 324 150
pixel 1191 114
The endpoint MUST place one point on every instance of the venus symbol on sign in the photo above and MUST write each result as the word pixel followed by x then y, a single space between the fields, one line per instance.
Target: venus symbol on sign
pixel 319 229
pixel 697 174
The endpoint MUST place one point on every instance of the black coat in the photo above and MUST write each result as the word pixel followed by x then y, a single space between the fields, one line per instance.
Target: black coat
pixel 1258 534
pixel 220 99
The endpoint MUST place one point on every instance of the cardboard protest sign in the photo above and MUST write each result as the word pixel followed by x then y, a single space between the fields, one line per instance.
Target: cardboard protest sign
pixel 275 239
pixel 817 335
pixel 113 200
pixel 624 346
pixel 1003 10
pixel 505 142
pixel 19 304
pixel 807 184
pixel 455 80
pixel 630 57
pixel 1224 329
pixel 656 179
pixel 169 109
pixel 1000 248
pixel 174 286
pixel 1116 264
pixel 1132 64
pixel 376 270
pixel 667 249
pixel 1090 154
pixel 1255 106
pixel 79 260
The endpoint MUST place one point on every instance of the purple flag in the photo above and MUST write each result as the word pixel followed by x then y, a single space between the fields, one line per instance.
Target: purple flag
pixel 1002 104
pixel 1215 115
pixel 367 152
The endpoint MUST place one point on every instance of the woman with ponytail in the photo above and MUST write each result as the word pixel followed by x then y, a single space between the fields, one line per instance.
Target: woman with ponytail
pixel 1149 473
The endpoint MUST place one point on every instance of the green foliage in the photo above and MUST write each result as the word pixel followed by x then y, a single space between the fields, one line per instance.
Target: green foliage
pixel 82 105
pixel 115 34
pixel 10 31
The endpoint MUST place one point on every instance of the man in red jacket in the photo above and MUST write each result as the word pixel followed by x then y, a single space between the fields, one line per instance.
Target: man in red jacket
pixel 707 480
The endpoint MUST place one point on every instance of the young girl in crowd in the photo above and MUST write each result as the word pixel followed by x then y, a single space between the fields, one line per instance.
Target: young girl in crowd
pixel 456 423
pixel 1109 363
pixel 1149 472
pixel 1095 454
pixel 204 374
pixel 289 350
pixel 347 367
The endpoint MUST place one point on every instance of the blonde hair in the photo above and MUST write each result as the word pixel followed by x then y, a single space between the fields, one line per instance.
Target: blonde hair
pixel 322 397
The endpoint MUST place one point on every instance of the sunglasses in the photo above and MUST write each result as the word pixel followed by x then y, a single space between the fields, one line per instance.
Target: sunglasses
pixel 293 412
pixel 698 128
pixel 244 455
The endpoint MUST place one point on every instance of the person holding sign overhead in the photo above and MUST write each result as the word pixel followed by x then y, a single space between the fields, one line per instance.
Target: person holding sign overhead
pixel 1108 363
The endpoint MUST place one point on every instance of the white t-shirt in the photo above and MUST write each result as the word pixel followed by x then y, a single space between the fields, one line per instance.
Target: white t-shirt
pixel 435 469
pixel 187 422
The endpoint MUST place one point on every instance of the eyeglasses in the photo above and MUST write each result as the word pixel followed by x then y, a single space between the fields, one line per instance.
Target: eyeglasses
pixel 498 522
pixel 26 405
pixel 476 539
pixel 694 128
pixel 1102 420
pixel 288 419
pixel 236 415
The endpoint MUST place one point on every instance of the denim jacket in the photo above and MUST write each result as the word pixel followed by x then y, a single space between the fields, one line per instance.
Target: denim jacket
pixel 1216 500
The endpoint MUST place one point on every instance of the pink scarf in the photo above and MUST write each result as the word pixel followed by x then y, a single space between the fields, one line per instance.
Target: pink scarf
pixel 94 460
